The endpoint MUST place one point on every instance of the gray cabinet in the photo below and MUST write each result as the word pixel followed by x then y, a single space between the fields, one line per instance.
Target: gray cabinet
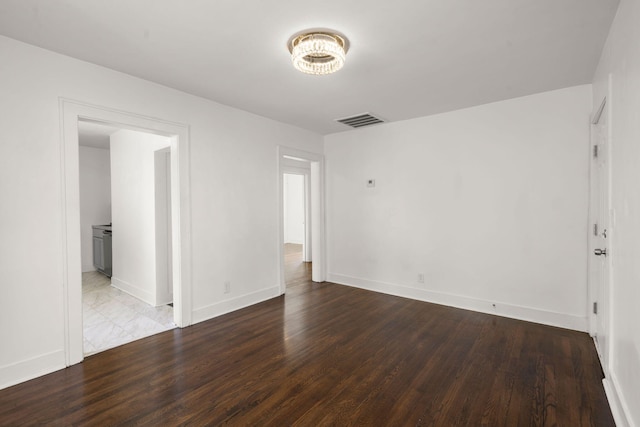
pixel 98 253
pixel 102 248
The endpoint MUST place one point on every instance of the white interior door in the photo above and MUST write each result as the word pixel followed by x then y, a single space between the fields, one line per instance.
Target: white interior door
pixel 601 233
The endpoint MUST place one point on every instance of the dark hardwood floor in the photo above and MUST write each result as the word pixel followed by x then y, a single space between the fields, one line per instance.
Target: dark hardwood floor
pixel 326 354
pixel 296 272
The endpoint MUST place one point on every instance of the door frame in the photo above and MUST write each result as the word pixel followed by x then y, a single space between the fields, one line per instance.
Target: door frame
pixel 597 289
pixel 164 261
pixel 317 205
pixel 70 112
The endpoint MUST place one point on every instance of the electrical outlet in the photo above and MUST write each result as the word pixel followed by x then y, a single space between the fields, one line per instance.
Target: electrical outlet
pixel 420 277
pixel 227 287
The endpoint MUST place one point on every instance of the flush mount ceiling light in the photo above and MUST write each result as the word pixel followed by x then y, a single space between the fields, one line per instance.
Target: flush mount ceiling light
pixel 318 52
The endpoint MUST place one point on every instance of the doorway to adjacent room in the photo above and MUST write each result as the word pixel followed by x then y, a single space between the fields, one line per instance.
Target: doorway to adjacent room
pixel 125 221
pixel 301 225
pixel 72 112
pixel 297 256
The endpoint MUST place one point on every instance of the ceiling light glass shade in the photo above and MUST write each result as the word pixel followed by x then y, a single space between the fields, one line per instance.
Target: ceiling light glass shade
pixel 318 53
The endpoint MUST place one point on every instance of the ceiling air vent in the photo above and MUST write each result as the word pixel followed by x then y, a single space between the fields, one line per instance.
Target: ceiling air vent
pixel 360 120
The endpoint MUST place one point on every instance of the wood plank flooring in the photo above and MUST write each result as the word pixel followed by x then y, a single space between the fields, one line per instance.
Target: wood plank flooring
pixel 326 354
pixel 296 272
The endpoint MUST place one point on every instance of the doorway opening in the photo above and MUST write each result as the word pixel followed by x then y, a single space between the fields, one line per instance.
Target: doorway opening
pixel 301 225
pixel 297 236
pixel 125 219
pixel 178 203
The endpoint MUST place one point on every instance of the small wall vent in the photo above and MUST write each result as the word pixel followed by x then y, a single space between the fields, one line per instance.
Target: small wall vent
pixel 360 120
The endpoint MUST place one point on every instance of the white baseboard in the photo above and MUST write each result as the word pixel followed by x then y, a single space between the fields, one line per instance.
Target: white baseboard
pixel 165 301
pixel 529 314
pixel 88 268
pixel 619 407
pixel 227 306
pixel 29 369
pixel 141 294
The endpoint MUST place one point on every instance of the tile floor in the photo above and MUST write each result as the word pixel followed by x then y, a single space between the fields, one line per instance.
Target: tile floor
pixel 112 317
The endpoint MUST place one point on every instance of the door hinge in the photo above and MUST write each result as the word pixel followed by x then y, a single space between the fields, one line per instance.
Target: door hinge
pixel 595 229
pixel 595 308
pixel 595 151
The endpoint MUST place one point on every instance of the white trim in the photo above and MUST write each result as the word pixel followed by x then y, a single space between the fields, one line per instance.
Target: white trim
pixel 134 291
pixel 29 369
pixel 71 246
pixel 290 170
pixel 70 112
pixel 591 280
pixel 528 314
pixel 605 352
pixel 598 112
pixel 619 407
pixel 318 224
pixel 227 306
pixel 307 256
pixel 318 251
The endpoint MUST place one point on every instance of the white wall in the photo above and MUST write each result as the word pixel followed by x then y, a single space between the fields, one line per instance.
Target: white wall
pixel 621 59
pixel 95 197
pixel 164 256
pixel 294 208
pixel 220 139
pixel 133 195
pixel 489 203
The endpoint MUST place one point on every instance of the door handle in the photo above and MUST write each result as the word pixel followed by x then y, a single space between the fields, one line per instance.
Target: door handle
pixel 600 252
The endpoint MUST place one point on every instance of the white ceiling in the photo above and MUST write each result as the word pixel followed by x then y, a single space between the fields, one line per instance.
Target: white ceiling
pixel 408 58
